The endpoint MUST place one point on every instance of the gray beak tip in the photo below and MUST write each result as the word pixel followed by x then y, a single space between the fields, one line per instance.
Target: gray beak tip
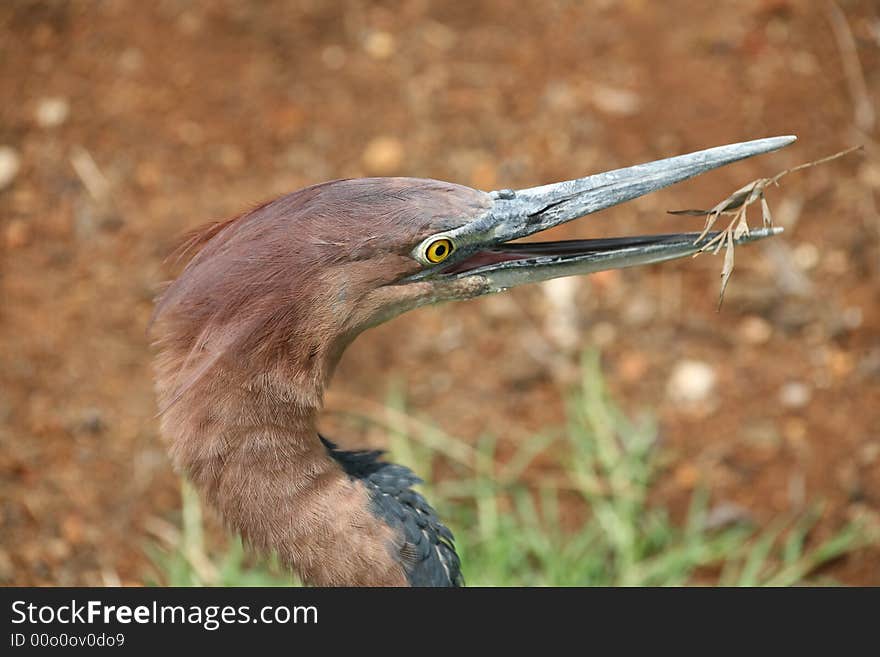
pixel 783 140
pixel 720 155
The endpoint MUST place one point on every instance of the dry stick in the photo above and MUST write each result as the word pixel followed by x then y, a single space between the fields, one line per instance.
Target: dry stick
pixel 864 114
pixel 90 174
pixel 865 117
pixel 339 404
pixel 737 204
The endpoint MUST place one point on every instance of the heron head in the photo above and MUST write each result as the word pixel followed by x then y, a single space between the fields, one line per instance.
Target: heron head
pixel 298 278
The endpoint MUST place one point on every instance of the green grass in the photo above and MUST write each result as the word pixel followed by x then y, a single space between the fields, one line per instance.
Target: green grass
pixel 512 534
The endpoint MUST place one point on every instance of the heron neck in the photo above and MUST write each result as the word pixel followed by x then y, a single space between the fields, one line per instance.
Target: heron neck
pixel 255 454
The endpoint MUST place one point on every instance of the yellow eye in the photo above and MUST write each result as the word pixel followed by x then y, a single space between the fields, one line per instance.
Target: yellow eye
pixel 439 250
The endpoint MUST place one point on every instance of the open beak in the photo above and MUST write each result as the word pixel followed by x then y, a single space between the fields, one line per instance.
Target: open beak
pixel 484 245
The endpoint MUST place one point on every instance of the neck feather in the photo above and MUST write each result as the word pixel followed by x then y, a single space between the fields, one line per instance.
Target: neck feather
pixel 253 450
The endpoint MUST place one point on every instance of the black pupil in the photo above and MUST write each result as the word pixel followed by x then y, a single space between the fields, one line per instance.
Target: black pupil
pixel 440 250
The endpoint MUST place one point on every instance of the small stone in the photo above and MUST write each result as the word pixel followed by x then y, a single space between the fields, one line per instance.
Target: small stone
pixel 131 60
pixel 231 157
pixel 848 478
pixel 686 475
pixel 795 394
pixel 91 420
pixel 383 155
pixel 333 57
pixel 726 514
pixel 851 317
pixel 804 63
pixel 794 430
pixel 797 490
pixel 57 549
pixel 691 381
pixel 639 310
pixel 148 174
pixel 559 96
pixel 617 102
pixel 755 330
pixel 10 163
pixel 788 211
pixel 603 334
pixel 16 234
pixel 562 323
pixel 777 31
pixel 806 256
pixel 43 35
pixel 836 262
pixel 379 45
pixel 438 35
pixel 761 433
pixel 73 529
pixel 869 453
pixel 841 363
pixel 632 366
pixel 869 174
pixel 52 112
pixel 190 133
pixel 190 23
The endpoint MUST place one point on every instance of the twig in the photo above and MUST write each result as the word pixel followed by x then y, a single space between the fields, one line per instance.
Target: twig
pixel 89 173
pixel 865 117
pixel 737 205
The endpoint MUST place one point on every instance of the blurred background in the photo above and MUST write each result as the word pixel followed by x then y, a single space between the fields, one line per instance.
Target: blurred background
pixel 124 124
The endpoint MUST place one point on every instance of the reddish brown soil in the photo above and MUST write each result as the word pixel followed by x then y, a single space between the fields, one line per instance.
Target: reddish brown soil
pixel 193 110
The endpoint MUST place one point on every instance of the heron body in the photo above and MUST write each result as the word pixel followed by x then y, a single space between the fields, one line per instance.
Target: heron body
pixel 249 334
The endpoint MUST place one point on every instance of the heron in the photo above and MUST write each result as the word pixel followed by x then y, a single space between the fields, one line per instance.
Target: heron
pixel 248 334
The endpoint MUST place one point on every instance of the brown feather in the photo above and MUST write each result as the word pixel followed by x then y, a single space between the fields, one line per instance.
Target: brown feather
pixel 248 336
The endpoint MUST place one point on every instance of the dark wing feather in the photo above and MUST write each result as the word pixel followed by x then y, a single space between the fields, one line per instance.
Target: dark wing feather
pixel 427 549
